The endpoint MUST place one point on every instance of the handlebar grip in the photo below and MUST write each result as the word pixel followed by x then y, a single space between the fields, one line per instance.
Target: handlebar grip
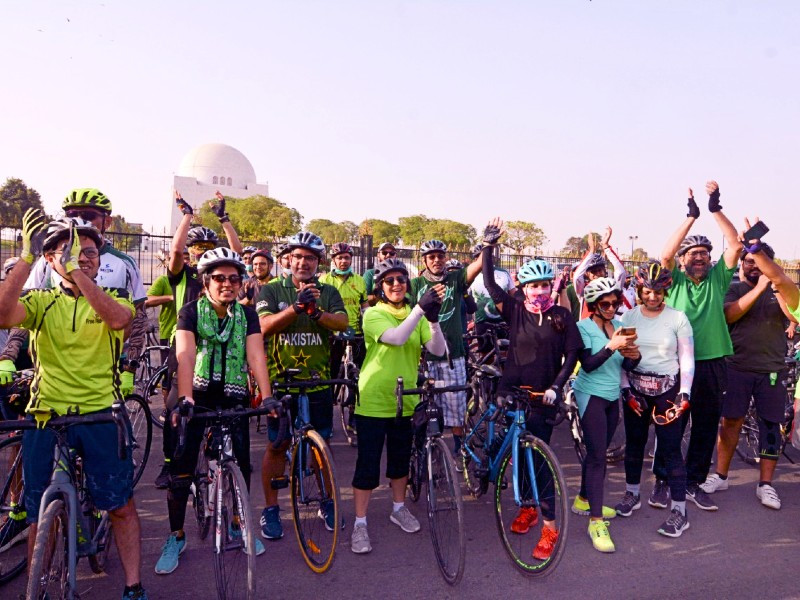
pixel 561 414
pixel 186 411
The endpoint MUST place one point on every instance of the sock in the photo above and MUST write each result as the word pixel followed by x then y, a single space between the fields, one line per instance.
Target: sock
pixel 397 506
pixel 681 506
pixel 721 476
pixel 633 488
pixel 360 521
pixel 763 483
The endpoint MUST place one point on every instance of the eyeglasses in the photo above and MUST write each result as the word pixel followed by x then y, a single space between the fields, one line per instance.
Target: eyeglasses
pixel 436 256
pixel 608 305
pixel 87 252
pixel 388 253
pixel 233 279
pixel 305 257
pixel 698 254
pixel 401 279
pixel 86 215
pixel 749 262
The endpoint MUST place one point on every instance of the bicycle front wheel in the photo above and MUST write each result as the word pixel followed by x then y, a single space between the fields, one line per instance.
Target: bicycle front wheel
pixel 154 396
pixel 543 504
pixel 142 429
pixel 13 549
pixel 416 472
pixel 315 501
pixel 48 576
pixel 747 448
pixel 200 499
pixel 234 542
pixel 445 512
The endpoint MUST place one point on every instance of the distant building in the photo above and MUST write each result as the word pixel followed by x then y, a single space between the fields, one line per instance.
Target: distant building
pixel 212 167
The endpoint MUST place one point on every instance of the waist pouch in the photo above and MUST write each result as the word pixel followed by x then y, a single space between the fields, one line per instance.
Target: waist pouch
pixel 651 384
pixel 419 421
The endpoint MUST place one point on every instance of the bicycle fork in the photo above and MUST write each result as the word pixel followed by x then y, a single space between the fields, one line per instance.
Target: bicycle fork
pixel 527 465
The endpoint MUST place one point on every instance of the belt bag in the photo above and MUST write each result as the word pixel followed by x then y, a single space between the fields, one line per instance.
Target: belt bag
pixel 651 384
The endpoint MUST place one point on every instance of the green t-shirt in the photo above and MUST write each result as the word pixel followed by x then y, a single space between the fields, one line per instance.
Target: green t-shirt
pixel 369 280
pixel 385 363
pixel 303 344
pixel 75 354
pixel 167 315
pixel 450 313
pixel 796 314
pixel 353 292
pixel 703 305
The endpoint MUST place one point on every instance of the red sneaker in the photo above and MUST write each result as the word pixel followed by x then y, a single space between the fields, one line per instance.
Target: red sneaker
pixel 527 518
pixel 546 544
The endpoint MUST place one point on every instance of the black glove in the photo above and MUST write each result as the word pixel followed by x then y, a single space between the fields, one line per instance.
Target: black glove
pixel 184 206
pixel 713 202
pixel 694 210
pixel 491 234
pixel 430 305
pixel 271 404
pixel 305 300
pixel 218 208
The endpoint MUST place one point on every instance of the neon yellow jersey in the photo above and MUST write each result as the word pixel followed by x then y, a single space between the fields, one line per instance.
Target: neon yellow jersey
pixel 75 354
pixel 353 291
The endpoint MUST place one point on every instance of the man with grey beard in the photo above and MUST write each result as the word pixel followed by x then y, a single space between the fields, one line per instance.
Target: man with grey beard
pixel 699 291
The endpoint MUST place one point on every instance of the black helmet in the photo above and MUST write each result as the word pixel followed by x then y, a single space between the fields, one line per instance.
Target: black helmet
pixel 453 264
pixel 264 254
pixel 595 261
pixel 694 241
pixel 653 276
pixel 386 266
pixel 59 230
pixel 309 241
pixel 198 235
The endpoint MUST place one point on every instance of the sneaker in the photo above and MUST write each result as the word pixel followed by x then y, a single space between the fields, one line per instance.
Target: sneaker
pixel 659 497
pixel 675 524
pixel 700 498
pixel 630 502
pixel 162 480
pixel 546 545
pixel 458 459
pixel 359 541
pixel 236 533
pixel 581 507
pixel 527 518
pixel 139 594
pixel 325 513
pixel 13 531
pixel 405 520
pixel 768 496
pixel 271 528
pixel 601 540
pixel 714 483
pixel 168 561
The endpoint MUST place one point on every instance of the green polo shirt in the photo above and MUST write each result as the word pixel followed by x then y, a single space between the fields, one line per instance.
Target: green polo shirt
pixel 455 283
pixel 353 291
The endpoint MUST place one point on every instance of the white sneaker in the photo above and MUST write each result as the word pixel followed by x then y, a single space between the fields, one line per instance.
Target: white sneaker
pixel 405 520
pixel 359 541
pixel 768 496
pixel 714 483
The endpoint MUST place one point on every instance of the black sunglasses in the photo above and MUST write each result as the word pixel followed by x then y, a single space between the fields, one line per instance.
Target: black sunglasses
pixel 401 279
pixel 86 215
pixel 606 305
pixel 220 278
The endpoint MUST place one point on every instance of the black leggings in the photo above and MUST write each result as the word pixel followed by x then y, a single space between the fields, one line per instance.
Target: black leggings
pixel 537 424
pixel 599 422
pixel 668 437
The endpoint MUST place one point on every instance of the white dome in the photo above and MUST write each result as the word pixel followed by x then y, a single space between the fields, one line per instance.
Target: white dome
pixel 218 164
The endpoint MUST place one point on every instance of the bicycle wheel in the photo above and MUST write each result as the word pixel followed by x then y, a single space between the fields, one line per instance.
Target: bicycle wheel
pixel 476 441
pixel 747 447
pixel 48 577
pixel 445 512
pixel 616 449
pixel 416 472
pixel 13 528
pixel 97 561
pixel 154 396
pixel 552 506
pixel 314 493
pixel 577 433
pixel 345 400
pixel 200 499
pixel 142 429
pixel 234 544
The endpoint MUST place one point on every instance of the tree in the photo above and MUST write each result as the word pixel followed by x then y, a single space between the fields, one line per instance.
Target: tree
pixel 120 227
pixel 412 229
pixel 639 255
pixel 332 232
pixel 381 231
pixel 15 199
pixel 256 218
pixel 521 235
pixel 577 246
pixel 450 232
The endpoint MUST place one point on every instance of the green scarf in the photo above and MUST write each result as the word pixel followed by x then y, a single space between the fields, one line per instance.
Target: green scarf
pixel 231 335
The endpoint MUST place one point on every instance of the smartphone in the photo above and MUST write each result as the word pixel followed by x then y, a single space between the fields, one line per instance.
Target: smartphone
pixel 628 331
pixel 756 232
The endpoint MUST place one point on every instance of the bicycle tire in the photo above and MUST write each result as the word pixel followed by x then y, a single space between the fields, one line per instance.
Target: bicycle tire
pixel 154 396
pixel 200 499
pixel 415 473
pixel 616 449
pixel 235 550
pixel 549 476
pixel 446 512
pixel 476 440
pixel 310 488
pixel 576 431
pixel 49 565
pixel 98 560
pixel 13 557
pixel 142 433
pixel 343 395
pixel 747 446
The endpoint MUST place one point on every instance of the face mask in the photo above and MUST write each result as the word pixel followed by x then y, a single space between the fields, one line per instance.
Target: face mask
pixel 347 271
pixel 287 272
pixel 537 300
pixel 249 268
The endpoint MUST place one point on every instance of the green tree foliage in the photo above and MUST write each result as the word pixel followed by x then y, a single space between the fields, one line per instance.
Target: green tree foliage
pixel 639 255
pixel 381 231
pixel 116 233
pixel 412 229
pixel 521 235
pixel 331 232
pixel 256 218
pixel 15 199
pixel 450 232
pixel 576 246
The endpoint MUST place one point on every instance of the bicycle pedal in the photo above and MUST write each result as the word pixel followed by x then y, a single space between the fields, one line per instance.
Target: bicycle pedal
pixel 279 483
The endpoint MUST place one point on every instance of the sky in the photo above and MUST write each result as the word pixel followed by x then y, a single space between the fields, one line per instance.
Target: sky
pixel 572 114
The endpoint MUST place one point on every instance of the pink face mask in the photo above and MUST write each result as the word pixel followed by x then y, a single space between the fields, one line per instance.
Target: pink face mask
pixel 537 299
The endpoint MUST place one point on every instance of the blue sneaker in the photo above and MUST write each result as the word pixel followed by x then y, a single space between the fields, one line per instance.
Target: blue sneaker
pixel 139 594
pixel 271 528
pixel 236 533
pixel 172 549
pixel 325 513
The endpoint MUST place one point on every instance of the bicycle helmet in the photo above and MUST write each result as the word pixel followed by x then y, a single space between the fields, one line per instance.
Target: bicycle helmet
pixel 653 276
pixel 694 241
pixel 219 256
pixel 264 254
pixel 597 288
pixel 476 251
pixel 535 270
pixel 432 246
pixel 198 235
pixel 453 264
pixel 341 248
pixel 280 250
pixel 58 231
pixel 309 241
pixel 596 261
pixel 386 266
pixel 9 264
pixel 87 198
pixel 249 249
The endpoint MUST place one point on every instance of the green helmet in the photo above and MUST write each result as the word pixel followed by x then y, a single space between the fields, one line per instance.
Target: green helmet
pixel 87 198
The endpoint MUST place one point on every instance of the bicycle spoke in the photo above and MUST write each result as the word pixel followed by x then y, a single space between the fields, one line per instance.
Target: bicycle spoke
pixel 445 512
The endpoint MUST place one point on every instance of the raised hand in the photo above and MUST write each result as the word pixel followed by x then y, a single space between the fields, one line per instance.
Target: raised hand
pixel 182 204
pixel 712 187
pixel 493 231
pixel 71 252
pixel 694 210
pixel 33 233
pixel 218 208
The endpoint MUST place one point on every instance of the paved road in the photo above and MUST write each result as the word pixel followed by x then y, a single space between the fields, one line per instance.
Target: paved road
pixel 743 550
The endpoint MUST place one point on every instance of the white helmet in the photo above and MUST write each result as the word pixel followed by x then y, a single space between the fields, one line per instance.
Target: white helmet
pixel 220 256
pixel 599 287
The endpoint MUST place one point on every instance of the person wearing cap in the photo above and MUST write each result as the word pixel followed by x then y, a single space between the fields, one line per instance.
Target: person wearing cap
pixel 260 268
pixel 385 250
pixel 699 291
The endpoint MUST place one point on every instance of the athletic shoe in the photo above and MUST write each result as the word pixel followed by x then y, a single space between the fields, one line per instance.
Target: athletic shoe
pixel 581 507
pixel 162 479
pixel 630 502
pixel 714 483
pixel 526 518
pixel 235 533
pixel 139 594
pixel 405 520
pixel 659 497
pixel 325 513
pixel 546 545
pixel 172 549
pixel 13 531
pixel 271 528
pixel 601 540
pixel 458 459
pixel 700 498
pixel 768 496
pixel 675 524
pixel 359 541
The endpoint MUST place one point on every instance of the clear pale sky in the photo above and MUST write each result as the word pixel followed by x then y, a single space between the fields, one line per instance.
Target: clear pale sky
pixel 571 114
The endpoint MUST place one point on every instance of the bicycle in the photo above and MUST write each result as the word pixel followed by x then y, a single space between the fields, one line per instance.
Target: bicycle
pixel 220 495
pixel 483 384
pixel 536 482
pixel 346 396
pixel 314 490
pixel 155 393
pixel 13 555
pixel 431 460
pixel 616 449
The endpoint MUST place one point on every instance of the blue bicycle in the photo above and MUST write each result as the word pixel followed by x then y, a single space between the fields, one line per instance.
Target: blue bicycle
pixel 530 489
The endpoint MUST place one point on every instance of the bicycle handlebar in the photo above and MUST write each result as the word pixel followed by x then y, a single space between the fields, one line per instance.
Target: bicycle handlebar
pixel 428 389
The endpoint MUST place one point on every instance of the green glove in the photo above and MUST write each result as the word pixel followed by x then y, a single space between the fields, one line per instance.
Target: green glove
pixel 71 252
pixel 7 370
pixel 126 383
pixel 33 233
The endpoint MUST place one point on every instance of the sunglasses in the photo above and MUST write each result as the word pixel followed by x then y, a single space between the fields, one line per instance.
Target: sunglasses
pixel 401 279
pixel 608 305
pixel 388 253
pixel 86 215
pixel 670 415
pixel 220 278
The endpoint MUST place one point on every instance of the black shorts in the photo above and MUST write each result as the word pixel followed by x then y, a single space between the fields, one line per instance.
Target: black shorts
pixel 372 432
pixel 320 408
pixel 770 398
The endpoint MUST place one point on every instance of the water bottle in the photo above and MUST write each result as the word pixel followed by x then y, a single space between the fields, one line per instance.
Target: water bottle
pixel 212 493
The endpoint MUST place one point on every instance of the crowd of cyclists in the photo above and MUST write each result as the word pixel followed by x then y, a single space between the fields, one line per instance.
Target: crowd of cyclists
pixel 676 339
